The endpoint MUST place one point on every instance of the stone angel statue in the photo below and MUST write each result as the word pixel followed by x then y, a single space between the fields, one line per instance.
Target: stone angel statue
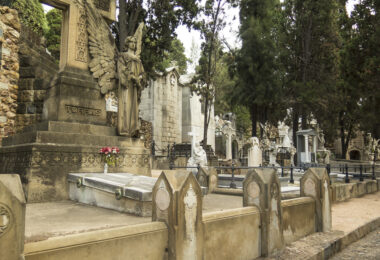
pixel 113 69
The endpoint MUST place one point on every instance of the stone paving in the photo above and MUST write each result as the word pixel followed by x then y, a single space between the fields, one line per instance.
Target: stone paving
pixel 366 248
pixel 347 218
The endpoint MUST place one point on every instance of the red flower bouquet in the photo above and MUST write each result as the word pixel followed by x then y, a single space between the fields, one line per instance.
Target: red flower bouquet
pixel 109 154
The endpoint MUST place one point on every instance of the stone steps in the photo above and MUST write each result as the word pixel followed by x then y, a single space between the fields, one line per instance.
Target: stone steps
pixel 65 127
pixel 50 137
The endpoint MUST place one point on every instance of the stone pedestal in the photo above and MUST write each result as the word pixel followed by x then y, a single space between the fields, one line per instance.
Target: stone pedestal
pixel 315 183
pixel 75 97
pixel 261 188
pixel 12 217
pixel 45 153
pixel 177 201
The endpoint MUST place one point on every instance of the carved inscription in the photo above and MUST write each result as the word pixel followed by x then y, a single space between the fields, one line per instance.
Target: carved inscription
pixel 82 41
pixel 5 219
pixel 102 5
pixel 84 111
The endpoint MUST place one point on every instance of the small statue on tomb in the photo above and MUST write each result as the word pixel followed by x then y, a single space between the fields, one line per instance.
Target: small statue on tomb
pixel 113 69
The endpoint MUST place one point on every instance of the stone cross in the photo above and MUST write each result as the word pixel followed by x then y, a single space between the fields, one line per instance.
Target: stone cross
pixel 74 44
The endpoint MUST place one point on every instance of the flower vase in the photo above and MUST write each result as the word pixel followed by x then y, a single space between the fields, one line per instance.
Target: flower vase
pixel 105 168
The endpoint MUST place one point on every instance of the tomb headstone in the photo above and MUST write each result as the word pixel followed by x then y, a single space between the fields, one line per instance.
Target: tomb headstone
pixel 123 192
pixel 315 183
pixel 177 201
pixel 261 188
pixel 12 217
pixel 254 153
pixel 74 120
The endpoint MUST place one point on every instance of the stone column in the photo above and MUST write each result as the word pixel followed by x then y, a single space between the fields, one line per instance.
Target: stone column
pixel 261 188
pixel 12 217
pixel 306 138
pixel 229 147
pixel 177 201
pixel 315 183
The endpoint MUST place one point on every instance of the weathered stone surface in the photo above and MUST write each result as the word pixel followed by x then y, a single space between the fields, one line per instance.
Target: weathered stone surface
pixel 298 217
pixel 12 217
pixel 177 201
pixel 261 188
pixel 9 40
pixel 315 183
pixel 44 158
pixel 119 191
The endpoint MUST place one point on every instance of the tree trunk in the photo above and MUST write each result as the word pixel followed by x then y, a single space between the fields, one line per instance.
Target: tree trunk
pixel 303 120
pixel 205 124
pixel 295 125
pixel 253 112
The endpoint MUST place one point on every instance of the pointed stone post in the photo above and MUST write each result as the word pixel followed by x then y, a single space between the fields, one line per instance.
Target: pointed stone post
pixel 12 217
pixel 315 183
pixel 177 201
pixel 261 188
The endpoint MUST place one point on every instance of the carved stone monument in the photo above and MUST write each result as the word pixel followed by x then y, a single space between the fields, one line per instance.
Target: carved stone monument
pixel 12 217
pixel 315 183
pixel 177 201
pixel 74 114
pixel 254 153
pixel 261 188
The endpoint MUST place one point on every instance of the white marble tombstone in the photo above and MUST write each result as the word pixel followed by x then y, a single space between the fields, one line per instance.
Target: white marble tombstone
pixel 254 153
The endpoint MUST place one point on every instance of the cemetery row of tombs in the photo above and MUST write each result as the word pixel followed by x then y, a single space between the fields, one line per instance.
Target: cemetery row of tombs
pixel 59 199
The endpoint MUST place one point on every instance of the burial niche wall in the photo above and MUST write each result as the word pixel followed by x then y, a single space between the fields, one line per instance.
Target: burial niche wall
pixel 9 69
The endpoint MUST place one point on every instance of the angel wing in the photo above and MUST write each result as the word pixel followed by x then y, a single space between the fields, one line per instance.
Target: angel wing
pixel 102 49
pixel 138 35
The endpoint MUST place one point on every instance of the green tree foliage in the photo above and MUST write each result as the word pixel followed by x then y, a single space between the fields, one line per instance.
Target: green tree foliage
pixel 161 18
pixel 53 33
pixel 31 14
pixel 358 92
pixel 258 85
pixel 363 63
pixel 175 56
pixel 213 22
pixel 309 52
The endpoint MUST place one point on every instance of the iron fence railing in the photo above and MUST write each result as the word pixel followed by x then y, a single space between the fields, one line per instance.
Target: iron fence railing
pixel 360 171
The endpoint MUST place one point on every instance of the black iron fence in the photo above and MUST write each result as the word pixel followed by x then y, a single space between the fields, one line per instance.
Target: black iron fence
pixel 359 171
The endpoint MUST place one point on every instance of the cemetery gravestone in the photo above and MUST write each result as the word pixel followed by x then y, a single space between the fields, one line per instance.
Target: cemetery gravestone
pixel 74 126
pixel 12 217
pixel 177 201
pixel 261 188
pixel 315 183
pixel 254 153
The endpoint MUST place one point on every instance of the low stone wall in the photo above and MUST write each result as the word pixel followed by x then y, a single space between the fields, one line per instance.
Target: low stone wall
pixel 345 191
pixel 9 69
pixel 144 241
pixel 232 234
pixel 298 218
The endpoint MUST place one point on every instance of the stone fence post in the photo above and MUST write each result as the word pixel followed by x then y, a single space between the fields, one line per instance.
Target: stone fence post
pixel 12 217
pixel 261 188
pixel 315 183
pixel 177 201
